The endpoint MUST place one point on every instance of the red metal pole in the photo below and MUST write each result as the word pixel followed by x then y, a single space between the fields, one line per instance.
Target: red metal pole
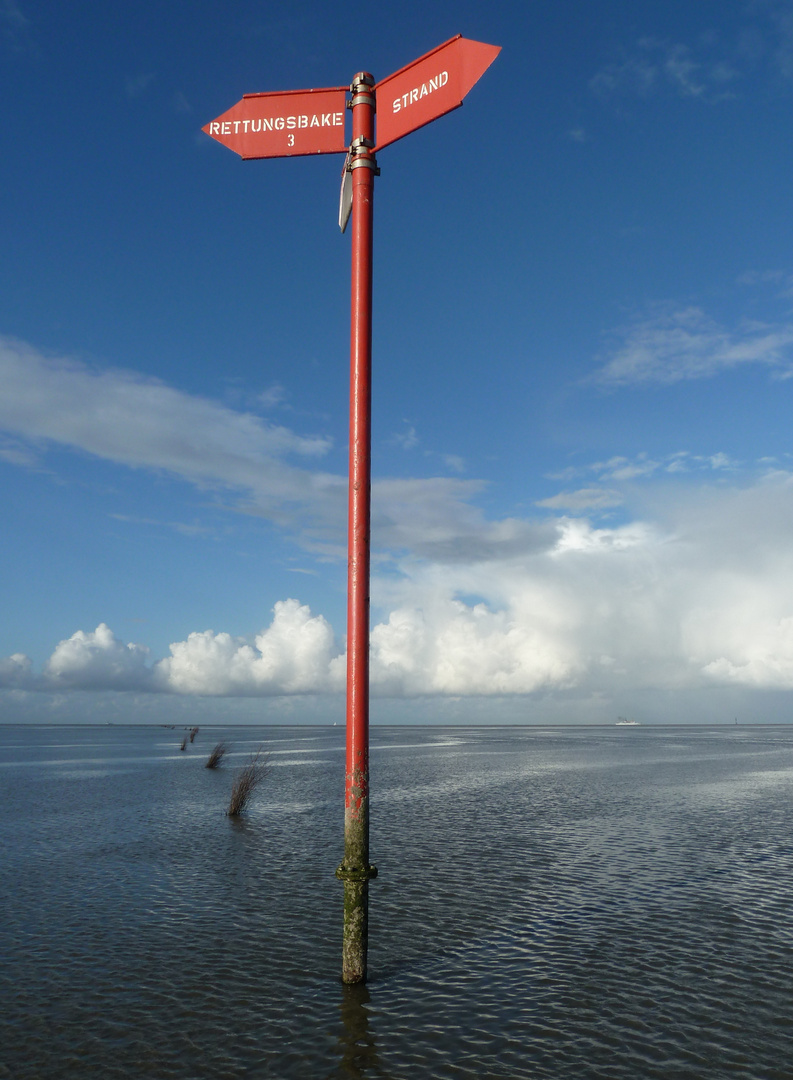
pixel 355 871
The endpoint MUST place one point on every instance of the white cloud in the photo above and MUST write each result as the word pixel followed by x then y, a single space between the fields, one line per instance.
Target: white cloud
pixel 98 660
pixel 448 647
pixel 454 462
pixel 16 671
pixel 141 422
pixel 696 590
pixel 687 344
pixel 137 421
pixel 296 654
pixel 273 397
pixel 589 498
pixel 704 595
pixel 16 453
pixel 655 65
pixel 407 439
pixel 698 593
pixel 620 469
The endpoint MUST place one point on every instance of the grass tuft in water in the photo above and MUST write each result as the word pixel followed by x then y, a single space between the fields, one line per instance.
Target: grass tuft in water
pixel 215 758
pixel 246 780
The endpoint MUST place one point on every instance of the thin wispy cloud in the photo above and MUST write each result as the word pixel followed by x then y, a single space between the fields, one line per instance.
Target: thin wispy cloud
pixel 252 466
pixel 407 439
pixel 137 421
pixel 454 462
pixel 655 66
pixel 137 85
pixel 780 280
pixel 643 466
pixel 180 104
pixel 273 397
pixel 713 68
pixel 686 344
pixel 12 16
pixel 582 500
pixel 781 19
pixel 16 29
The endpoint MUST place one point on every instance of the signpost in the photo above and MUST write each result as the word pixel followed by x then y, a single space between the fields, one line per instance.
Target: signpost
pixel 298 122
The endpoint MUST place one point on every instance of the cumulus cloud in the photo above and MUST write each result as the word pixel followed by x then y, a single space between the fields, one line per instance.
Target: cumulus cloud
pixel 296 654
pixel 690 600
pixel 16 671
pixel 100 661
pixel 449 647
pixel 697 593
pixel 694 591
pixel 688 344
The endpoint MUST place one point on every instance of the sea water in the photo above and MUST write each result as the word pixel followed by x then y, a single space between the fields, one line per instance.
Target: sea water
pixel 551 902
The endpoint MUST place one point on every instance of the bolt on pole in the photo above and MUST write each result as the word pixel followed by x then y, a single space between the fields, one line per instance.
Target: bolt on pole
pixel 355 871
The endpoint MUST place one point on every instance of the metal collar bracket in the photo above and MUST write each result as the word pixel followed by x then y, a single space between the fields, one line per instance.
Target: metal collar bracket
pixel 355 873
pixel 360 88
pixel 360 156
pixel 361 82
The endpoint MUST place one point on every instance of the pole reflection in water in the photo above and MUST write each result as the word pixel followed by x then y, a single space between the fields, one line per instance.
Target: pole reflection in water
pixel 358 1057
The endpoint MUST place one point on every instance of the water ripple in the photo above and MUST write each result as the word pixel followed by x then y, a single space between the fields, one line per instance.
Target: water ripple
pixel 568 905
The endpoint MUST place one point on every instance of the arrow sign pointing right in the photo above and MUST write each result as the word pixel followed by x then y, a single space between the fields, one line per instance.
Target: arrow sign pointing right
pixel 429 87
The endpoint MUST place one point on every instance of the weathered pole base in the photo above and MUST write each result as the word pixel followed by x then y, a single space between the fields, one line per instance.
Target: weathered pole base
pixel 356 922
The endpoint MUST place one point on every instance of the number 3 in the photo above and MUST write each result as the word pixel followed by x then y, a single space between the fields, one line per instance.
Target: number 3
pixel 290 140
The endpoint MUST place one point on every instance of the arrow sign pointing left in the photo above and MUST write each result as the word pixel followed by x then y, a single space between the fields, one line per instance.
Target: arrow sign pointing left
pixel 284 124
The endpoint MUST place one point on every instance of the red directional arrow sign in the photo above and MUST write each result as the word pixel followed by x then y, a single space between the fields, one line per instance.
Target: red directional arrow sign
pixel 430 86
pixel 284 124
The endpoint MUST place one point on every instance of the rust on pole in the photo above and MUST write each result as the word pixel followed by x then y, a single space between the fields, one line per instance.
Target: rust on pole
pixel 355 871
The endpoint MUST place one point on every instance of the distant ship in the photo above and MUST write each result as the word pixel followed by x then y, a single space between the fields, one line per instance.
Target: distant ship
pixel 623 722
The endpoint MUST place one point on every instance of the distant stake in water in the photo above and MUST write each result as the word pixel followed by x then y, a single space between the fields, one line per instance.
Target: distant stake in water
pixel 297 122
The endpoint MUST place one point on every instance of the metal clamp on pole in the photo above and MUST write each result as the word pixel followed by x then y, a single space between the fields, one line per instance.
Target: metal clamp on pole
pixel 359 156
pixel 355 873
pixel 359 88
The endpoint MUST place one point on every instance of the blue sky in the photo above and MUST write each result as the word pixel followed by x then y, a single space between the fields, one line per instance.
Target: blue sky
pixel 583 348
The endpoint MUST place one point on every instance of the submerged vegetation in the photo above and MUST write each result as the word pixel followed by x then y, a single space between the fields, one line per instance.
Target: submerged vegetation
pixel 246 780
pixel 215 758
